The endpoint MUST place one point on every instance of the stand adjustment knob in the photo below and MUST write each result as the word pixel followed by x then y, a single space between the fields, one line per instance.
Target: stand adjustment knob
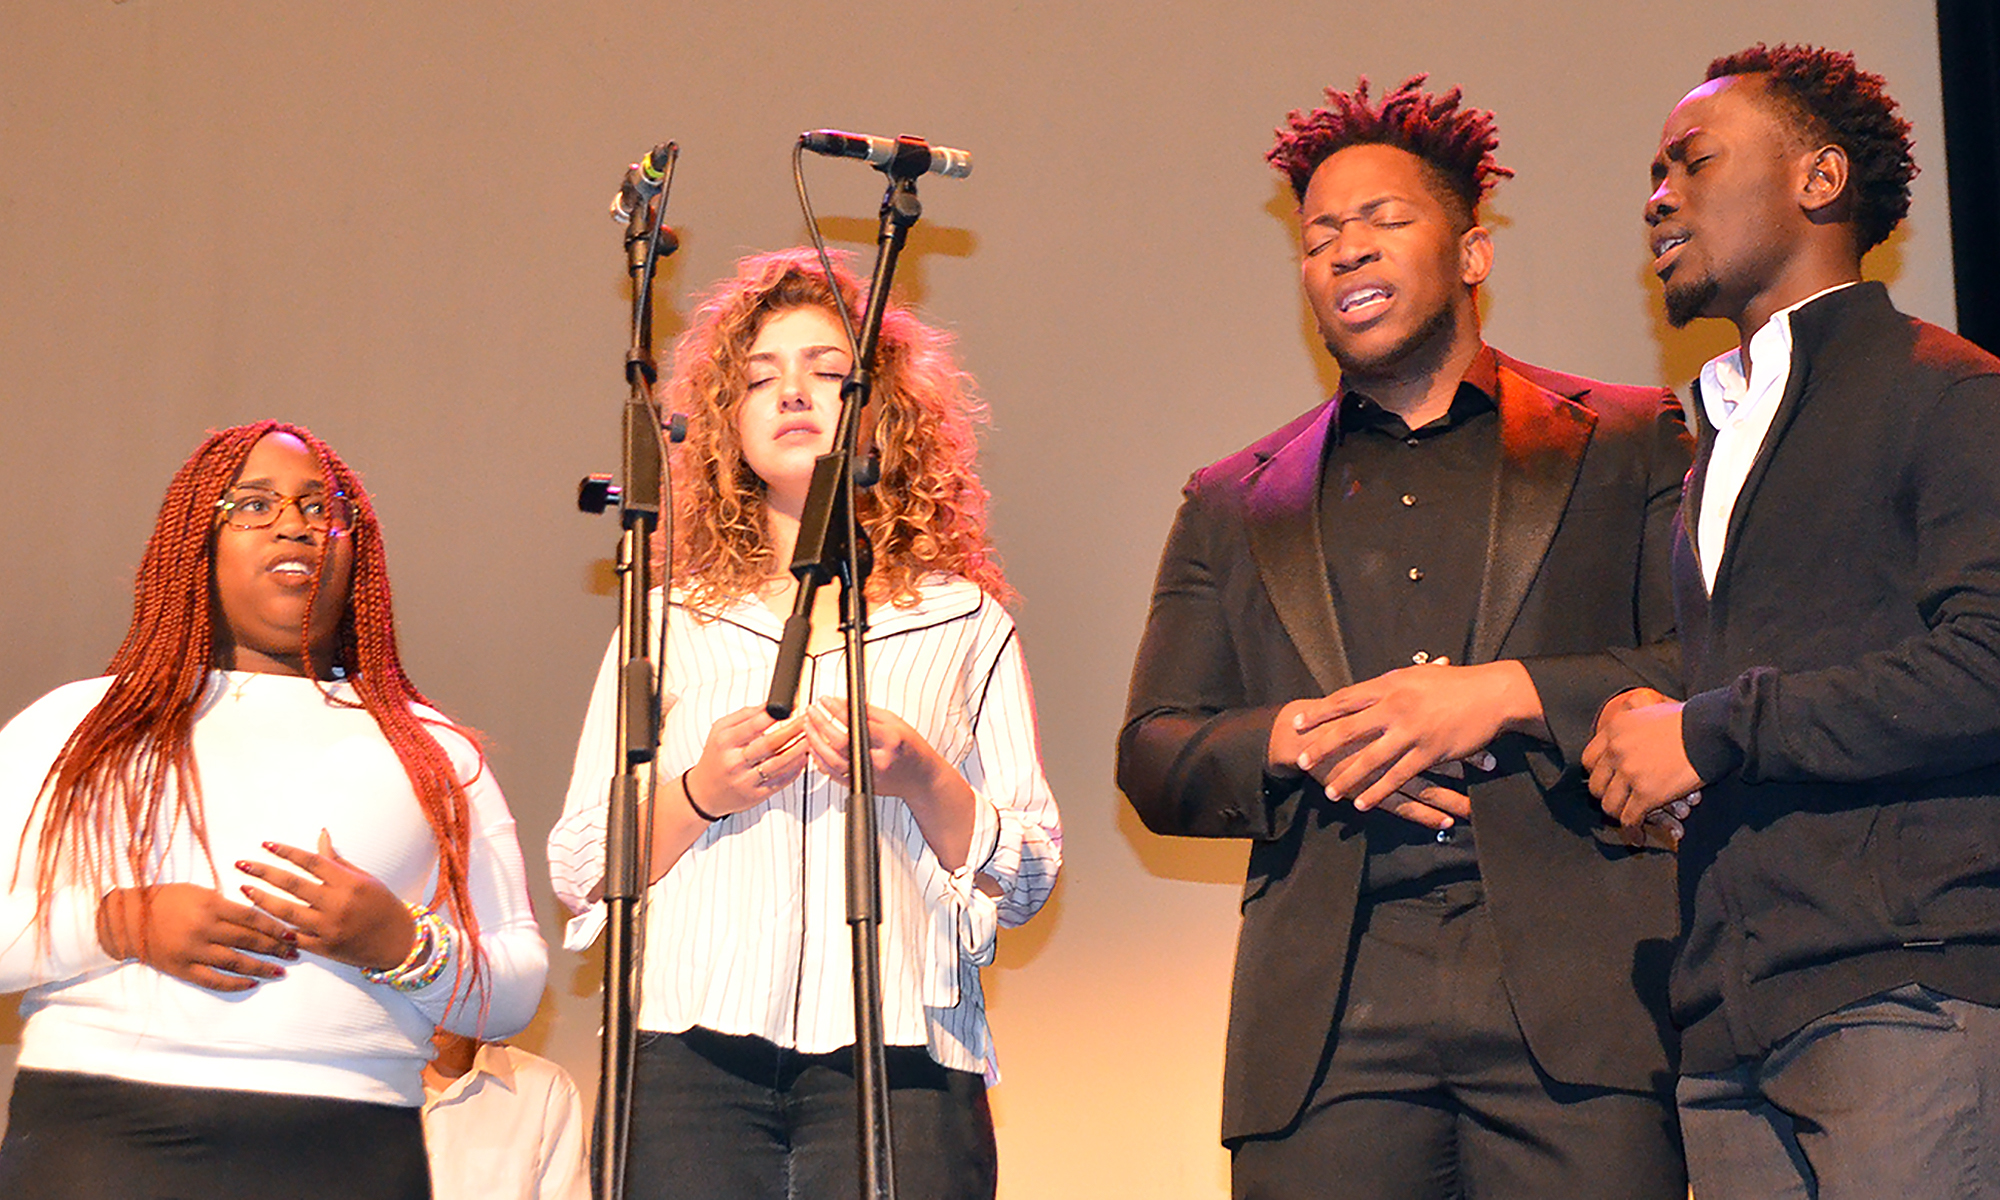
pixel 595 493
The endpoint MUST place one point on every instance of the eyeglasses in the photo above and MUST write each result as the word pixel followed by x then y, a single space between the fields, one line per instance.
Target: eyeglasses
pixel 260 508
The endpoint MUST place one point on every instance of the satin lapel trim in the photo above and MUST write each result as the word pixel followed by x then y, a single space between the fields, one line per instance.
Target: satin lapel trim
pixel 1542 440
pixel 1282 514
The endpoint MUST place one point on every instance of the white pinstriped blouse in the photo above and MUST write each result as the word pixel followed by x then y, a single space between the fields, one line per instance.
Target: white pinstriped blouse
pixel 747 934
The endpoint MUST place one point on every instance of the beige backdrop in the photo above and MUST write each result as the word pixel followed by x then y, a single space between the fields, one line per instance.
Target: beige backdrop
pixel 386 220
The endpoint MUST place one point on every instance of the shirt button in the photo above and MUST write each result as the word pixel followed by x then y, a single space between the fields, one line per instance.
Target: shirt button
pixel 1421 657
pixel 1409 441
pixel 1416 574
pixel 1409 500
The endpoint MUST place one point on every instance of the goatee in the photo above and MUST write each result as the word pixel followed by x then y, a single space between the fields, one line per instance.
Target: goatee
pixel 1690 300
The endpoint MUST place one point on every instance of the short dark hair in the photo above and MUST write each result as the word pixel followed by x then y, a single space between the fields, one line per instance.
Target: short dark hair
pixel 1455 143
pixel 1834 101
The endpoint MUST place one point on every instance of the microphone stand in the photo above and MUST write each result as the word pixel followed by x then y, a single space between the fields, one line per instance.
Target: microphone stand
pixel 644 467
pixel 831 544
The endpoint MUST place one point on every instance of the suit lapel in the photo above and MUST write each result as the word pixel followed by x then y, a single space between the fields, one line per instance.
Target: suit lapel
pixel 1542 440
pixel 1282 511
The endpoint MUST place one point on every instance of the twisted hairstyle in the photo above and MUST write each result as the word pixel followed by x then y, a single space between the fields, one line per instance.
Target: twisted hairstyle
pixel 928 512
pixel 128 771
pixel 1456 144
pixel 1831 100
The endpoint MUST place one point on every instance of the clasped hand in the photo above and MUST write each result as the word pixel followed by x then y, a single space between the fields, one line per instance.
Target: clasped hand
pixel 749 756
pixel 195 934
pixel 1373 741
pixel 1639 769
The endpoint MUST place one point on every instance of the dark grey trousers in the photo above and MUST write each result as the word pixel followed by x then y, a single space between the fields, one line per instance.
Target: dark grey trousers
pixel 1896 1096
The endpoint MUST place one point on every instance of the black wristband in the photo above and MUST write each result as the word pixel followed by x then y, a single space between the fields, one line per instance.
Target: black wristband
pixel 689 793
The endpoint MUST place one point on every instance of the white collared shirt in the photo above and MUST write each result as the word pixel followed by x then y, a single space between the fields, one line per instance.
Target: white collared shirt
pixel 511 1128
pixel 747 933
pixel 1741 408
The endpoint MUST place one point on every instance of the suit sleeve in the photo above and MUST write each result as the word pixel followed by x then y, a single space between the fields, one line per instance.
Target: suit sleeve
pixel 1191 757
pixel 1926 707
pixel 1574 687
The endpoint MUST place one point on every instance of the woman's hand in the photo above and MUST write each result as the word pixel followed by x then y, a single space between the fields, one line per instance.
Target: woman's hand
pixel 906 766
pixel 748 756
pixel 191 933
pixel 338 910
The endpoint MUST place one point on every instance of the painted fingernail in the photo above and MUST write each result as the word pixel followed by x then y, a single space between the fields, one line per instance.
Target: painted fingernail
pixel 291 936
pixel 245 889
pixel 290 953
pixel 271 846
pixel 243 864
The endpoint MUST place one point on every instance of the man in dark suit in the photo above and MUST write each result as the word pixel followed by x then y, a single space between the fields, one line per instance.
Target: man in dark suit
pixel 1451 975
pixel 1837 579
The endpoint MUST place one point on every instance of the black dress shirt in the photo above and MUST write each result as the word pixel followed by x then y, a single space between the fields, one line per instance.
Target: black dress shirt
pixel 1403 522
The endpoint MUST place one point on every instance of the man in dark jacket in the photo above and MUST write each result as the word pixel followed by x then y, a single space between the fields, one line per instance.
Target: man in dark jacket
pixel 1837 582
pixel 1450 979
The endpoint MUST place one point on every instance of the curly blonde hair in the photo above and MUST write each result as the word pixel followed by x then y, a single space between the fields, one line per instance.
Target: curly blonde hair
pixel 928 512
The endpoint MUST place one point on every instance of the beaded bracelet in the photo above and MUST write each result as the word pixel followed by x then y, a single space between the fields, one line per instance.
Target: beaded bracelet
pixel 425 961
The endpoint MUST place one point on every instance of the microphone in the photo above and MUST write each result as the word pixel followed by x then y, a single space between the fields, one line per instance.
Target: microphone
pixel 905 157
pixel 643 181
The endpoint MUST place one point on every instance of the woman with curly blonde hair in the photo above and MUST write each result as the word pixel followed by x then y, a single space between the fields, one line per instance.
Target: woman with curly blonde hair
pixel 744 1084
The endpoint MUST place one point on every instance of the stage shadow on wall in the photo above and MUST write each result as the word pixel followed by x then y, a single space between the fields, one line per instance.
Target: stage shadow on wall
pixel 1183 859
pixel 911 287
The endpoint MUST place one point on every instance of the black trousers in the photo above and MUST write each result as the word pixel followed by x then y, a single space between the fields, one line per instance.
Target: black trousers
pixel 92 1137
pixel 721 1117
pixel 1430 1092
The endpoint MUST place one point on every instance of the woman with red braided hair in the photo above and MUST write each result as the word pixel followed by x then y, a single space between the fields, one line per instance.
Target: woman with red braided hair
pixel 744 1084
pixel 249 869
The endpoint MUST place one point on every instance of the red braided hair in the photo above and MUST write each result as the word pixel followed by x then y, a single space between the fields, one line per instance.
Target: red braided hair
pixel 128 769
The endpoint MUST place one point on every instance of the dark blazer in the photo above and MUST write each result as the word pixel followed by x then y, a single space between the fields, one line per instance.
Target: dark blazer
pixel 1575 580
pixel 1844 690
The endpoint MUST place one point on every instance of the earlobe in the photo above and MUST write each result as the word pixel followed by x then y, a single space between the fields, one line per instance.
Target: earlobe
pixel 1475 256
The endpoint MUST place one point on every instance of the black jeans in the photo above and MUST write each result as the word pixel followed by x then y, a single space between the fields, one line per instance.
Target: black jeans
pixel 720 1117
pixel 91 1137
